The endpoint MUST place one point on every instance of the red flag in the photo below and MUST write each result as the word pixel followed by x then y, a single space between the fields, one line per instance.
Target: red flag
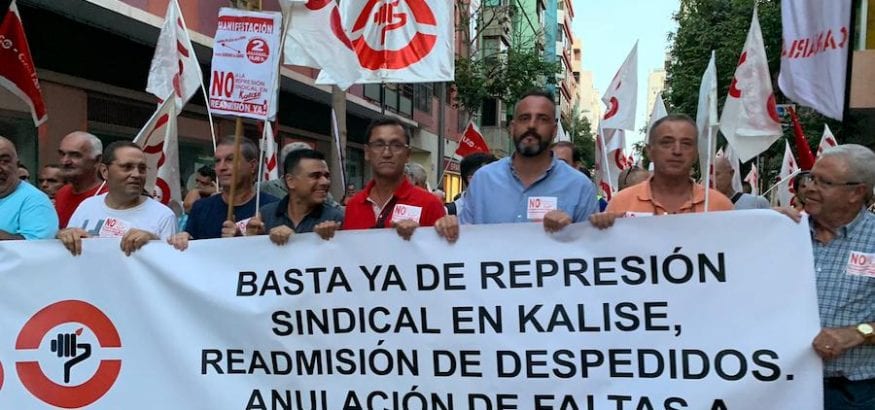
pixel 17 72
pixel 471 141
pixel 803 150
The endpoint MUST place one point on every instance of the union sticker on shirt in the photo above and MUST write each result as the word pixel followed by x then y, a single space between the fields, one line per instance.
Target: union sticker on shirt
pixel 538 206
pixel 861 264
pixel 406 213
pixel 113 228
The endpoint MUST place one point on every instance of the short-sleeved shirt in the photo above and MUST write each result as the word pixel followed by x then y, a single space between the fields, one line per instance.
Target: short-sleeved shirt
pixel 748 201
pixel 638 199
pixel 28 212
pixel 277 214
pixel 846 291
pixel 101 221
pixel 497 195
pixel 207 215
pixel 411 202
pixel 66 201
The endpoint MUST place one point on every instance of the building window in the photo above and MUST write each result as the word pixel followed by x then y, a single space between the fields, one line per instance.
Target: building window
pixel 489 117
pixel 422 97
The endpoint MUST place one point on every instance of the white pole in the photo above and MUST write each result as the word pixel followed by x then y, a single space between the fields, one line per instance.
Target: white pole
pixel 707 178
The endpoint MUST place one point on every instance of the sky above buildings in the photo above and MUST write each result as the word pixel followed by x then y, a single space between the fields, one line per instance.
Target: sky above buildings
pixel 609 29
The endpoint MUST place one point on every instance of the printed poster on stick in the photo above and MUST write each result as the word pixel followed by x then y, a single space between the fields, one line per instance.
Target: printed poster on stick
pixel 245 62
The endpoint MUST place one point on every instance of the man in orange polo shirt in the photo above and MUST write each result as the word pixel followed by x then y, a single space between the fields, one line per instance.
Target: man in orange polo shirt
pixel 672 146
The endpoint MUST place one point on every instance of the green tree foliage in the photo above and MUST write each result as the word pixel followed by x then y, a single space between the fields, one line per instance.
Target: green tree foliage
pixel 722 25
pixel 580 132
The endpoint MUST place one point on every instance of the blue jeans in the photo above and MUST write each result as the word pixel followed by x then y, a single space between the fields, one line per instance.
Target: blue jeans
pixel 843 394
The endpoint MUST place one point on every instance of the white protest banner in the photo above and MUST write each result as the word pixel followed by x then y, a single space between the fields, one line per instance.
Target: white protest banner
pixel 245 62
pixel 675 319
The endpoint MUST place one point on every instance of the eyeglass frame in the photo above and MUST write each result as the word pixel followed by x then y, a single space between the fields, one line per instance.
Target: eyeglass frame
pixel 380 146
pixel 806 177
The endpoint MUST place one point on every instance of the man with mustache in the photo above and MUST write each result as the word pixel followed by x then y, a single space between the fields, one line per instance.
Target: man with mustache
pixel 531 185
pixel 123 212
pixel 79 156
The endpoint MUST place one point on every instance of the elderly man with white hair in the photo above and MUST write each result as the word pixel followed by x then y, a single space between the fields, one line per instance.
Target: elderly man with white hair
pixel 837 190
pixel 79 156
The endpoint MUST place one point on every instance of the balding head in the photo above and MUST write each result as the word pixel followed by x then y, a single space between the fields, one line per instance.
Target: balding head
pixel 8 167
pixel 79 155
pixel 723 174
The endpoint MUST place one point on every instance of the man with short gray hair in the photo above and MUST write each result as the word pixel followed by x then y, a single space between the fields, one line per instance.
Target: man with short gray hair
pixel 837 190
pixel 79 157
pixel 416 174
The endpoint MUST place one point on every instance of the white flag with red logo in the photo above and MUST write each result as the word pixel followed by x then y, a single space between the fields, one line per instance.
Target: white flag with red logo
pixel 17 72
pixel 753 179
pixel 788 170
pixel 622 95
pixel 826 141
pixel 814 57
pixel 159 141
pixel 471 141
pixel 400 41
pixel 750 119
pixel 175 69
pixel 608 166
pixel 315 37
pixel 659 111
pixel 706 120
pixel 736 168
pixel 269 150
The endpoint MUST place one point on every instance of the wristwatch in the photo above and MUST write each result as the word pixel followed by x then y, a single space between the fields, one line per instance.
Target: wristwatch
pixel 866 330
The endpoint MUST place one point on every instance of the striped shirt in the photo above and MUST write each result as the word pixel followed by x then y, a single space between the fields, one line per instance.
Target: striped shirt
pixel 847 298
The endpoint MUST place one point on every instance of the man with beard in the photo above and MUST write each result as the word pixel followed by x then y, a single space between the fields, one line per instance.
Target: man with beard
pixel 79 155
pixel 531 185
pixel 123 212
pixel 25 212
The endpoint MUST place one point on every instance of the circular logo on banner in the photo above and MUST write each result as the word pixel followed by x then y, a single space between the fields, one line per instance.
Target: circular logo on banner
pixel 71 349
pixel 390 17
pixel 257 51
pixel 161 191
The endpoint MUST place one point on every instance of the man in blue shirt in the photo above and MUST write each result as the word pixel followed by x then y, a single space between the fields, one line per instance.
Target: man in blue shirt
pixel 837 190
pixel 25 212
pixel 531 185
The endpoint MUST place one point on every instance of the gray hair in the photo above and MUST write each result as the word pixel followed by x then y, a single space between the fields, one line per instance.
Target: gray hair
pixel 416 173
pixel 95 143
pixel 860 161
pixel 248 149
pixel 673 118
pixel 292 146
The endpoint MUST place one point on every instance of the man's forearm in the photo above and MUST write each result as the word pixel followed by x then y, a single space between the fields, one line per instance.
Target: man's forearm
pixel 6 236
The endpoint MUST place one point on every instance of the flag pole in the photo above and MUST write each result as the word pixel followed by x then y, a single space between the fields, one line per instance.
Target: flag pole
pixel 708 169
pixel 262 150
pixel 209 114
pixel 788 179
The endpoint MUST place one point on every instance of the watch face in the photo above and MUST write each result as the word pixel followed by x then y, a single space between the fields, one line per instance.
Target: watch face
pixel 866 329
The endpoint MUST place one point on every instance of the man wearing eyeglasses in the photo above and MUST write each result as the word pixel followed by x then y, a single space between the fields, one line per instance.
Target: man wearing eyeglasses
pixel 25 212
pixel 672 146
pixel 123 212
pixel 389 199
pixel 838 190
pixel 532 185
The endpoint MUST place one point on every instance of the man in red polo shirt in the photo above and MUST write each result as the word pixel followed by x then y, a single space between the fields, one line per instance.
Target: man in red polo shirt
pixel 79 156
pixel 390 200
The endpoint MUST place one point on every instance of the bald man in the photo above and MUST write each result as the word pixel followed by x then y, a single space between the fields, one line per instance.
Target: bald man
pixel 79 156
pixel 25 212
pixel 723 174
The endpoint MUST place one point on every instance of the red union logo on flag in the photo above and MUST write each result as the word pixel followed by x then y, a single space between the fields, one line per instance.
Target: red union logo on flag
pixel 400 19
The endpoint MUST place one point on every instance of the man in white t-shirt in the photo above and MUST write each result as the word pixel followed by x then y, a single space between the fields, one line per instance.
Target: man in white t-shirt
pixel 123 212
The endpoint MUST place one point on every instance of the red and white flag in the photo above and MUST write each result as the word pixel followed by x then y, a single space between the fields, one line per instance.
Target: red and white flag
pixel 17 72
pixel 814 57
pixel 175 69
pixel 269 150
pixel 399 41
pixel 471 141
pixel 610 160
pixel 315 37
pixel 159 141
pixel 753 179
pixel 622 95
pixel 750 119
pixel 736 168
pixel 826 141
pixel 788 169
pixel 706 121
